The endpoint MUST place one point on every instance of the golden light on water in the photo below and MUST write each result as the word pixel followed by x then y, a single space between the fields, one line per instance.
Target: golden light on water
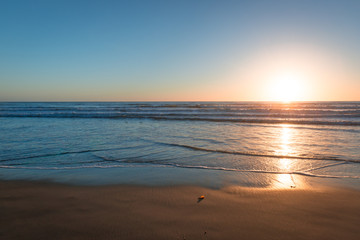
pixel 285 180
pixel 285 164
pixel 285 140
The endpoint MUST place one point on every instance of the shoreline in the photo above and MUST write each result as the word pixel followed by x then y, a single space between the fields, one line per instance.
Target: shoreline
pixel 153 176
pixel 45 210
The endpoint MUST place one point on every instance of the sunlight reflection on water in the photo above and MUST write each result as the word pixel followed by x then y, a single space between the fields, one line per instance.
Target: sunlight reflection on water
pixel 266 145
pixel 284 164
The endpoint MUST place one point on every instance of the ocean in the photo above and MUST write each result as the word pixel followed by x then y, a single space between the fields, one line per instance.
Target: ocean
pixel 212 144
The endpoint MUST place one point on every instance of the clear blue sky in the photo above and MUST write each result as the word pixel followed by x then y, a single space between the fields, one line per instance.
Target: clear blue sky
pixel 167 50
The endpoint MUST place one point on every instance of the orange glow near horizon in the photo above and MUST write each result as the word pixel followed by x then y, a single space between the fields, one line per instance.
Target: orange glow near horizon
pixel 287 87
pixel 294 72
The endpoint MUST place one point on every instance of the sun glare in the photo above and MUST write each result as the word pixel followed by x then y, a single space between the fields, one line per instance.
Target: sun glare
pixel 287 88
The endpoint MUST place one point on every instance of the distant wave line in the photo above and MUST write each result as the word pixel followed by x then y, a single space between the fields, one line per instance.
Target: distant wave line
pixel 176 113
pixel 164 117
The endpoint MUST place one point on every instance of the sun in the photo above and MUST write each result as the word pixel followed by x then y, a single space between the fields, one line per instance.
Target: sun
pixel 287 87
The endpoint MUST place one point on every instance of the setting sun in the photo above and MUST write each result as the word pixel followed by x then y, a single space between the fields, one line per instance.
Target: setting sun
pixel 180 119
pixel 287 87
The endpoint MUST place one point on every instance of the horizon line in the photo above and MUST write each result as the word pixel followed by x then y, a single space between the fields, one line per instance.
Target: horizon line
pixel 129 101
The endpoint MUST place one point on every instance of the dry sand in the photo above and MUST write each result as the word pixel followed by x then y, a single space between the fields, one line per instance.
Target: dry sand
pixel 51 211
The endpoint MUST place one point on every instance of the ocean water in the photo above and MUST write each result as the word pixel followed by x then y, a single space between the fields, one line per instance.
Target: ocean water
pixel 213 144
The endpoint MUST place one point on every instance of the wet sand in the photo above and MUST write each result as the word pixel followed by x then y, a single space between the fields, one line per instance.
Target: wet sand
pixel 34 210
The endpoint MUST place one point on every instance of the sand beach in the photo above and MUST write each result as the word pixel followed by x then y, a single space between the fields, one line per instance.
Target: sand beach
pixel 40 210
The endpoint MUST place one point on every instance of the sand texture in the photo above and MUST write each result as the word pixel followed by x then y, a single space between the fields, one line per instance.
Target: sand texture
pixel 32 210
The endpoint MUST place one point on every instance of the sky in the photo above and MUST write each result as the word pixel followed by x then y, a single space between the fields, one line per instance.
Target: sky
pixel 256 50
